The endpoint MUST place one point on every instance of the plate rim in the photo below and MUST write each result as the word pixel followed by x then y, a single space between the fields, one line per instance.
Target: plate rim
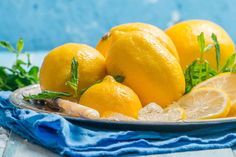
pixel 16 98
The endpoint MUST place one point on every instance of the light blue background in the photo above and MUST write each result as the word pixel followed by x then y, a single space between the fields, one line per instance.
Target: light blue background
pixel 45 24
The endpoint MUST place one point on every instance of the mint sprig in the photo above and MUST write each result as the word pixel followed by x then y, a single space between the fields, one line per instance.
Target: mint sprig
pixel 47 95
pixel 22 73
pixel 199 70
pixel 74 78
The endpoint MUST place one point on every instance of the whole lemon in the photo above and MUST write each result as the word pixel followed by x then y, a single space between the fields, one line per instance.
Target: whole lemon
pixel 111 96
pixel 116 32
pixel 56 67
pixel 184 35
pixel 148 67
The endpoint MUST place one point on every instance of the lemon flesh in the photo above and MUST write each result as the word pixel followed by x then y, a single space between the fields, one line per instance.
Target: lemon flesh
pixel 225 82
pixel 205 103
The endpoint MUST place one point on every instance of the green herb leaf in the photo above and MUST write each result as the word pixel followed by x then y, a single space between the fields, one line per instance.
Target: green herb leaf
pixel 74 79
pixel 20 44
pixel 21 73
pixel 201 42
pixel 119 78
pixel 197 72
pixel 217 49
pixel 230 62
pixel 7 46
pixel 47 95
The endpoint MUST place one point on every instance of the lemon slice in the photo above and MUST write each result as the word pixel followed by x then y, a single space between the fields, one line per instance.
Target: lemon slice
pixel 225 82
pixel 154 112
pixel 205 103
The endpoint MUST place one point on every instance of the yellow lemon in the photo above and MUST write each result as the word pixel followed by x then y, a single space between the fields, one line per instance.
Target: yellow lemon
pixel 184 35
pixel 225 82
pixel 116 32
pixel 148 67
pixel 56 67
pixel 111 96
pixel 205 103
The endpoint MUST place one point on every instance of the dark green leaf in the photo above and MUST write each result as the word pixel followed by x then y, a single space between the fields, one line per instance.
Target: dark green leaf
pixel 34 71
pixel 20 44
pixel 7 46
pixel 119 78
pixel 217 49
pixel 47 95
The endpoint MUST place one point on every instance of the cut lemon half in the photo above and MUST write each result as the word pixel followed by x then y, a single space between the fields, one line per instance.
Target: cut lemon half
pixel 225 82
pixel 205 103
pixel 154 112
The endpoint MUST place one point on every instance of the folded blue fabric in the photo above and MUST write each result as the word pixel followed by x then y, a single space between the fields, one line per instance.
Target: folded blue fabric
pixel 57 134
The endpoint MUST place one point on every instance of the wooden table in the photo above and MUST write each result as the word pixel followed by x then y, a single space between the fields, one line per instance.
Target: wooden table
pixel 11 145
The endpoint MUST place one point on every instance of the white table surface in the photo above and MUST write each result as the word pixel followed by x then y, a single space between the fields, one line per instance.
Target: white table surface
pixel 11 145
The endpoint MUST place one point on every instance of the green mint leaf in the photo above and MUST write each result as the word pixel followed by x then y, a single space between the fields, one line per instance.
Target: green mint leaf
pixel 217 49
pixel 8 46
pixel 74 78
pixel 201 42
pixel 46 95
pixel 28 60
pixel 229 63
pixel 119 78
pixel 198 71
pixel 20 45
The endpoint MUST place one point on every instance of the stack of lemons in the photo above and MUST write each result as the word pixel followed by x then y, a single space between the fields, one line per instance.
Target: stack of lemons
pixel 152 63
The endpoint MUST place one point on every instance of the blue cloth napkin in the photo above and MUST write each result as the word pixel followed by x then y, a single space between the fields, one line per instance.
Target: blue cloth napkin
pixel 57 134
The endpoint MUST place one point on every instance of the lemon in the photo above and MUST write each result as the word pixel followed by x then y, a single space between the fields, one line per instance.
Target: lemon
pixel 184 35
pixel 154 112
pixel 118 31
pixel 148 67
pixel 56 67
pixel 111 96
pixel 205 103
pixel 225 82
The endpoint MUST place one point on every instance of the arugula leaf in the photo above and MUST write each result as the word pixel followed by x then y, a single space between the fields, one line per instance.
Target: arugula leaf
pixel 46 95
pixel 217 49
pixel 74 78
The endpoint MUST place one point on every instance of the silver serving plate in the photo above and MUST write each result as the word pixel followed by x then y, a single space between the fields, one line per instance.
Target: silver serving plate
pixel 16 98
